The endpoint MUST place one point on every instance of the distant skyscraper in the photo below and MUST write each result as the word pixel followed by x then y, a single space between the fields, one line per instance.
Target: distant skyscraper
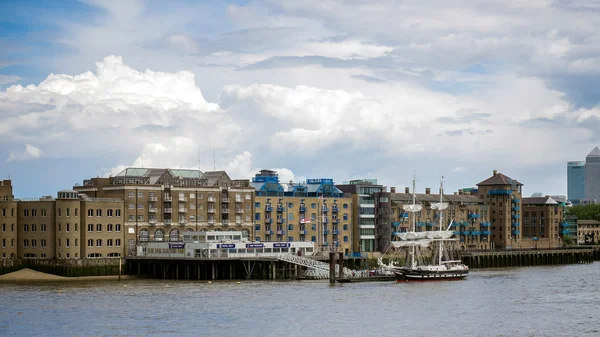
pixel 592 175
pixel 575 181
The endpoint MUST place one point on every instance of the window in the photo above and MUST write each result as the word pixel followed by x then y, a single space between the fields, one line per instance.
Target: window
pixel 25 228
pixel 109 212
pixel 131 218
pixel 247 207
pixel 345 227
pixel 109 243
pixel 90 212
pixel 313 205
pixel 59 243
pixel 257 216
pixel 43 212
pixel 33 227
pixel 345 205
pixel 257 227
pixel 33 212
pixel 313 238
pixel 313 227
pixel 117 212
pixel 3 243
pixel 90 243
pixel 140 194
pixel 99 243
pixel 68 227
pixel 290 227
pixel 117 228
pixel 345 217
pixel 76 227
pixel 201 196
pixel 59 212
pixel 59 227
pixel 140 206
pixel 99 228
pixel 4 227
pixel 257 204
pixel 290 216
pixel 90 227
pixel 248 218
pixel 131 194
pixel 192 206
pixel 247 196
pixel 192 196
pixel 68 243
pixel 4 212
pixel 76 212
pixel 131 206
pixel 345 238
pixel 118 243
pixel 68 212
pixel 43 227
pixel 98 212
pixel 140 218
pixel 43 243
pixel 25 212
pixel 290 238
pixel 25 243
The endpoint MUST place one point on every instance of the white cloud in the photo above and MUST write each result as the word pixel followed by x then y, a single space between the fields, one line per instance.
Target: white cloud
pixel 7 79
pixel 31 152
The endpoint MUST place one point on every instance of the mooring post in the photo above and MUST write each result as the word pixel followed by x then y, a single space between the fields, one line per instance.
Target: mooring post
pixel 341 263
pixel 331 267
pixel 119 269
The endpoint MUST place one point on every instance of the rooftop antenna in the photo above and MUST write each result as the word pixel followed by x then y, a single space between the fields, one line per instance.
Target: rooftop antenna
pixel 214 158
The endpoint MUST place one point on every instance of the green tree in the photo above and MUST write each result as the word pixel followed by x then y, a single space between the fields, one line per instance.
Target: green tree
pixel 584 212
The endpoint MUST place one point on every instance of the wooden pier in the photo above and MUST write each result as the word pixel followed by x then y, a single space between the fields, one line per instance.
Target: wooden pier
pixel 528 257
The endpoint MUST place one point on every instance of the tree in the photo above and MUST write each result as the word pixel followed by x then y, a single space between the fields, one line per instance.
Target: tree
pixel 584 212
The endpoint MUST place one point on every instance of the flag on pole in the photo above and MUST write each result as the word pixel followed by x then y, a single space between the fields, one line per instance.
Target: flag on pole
pixel 305 220
pixel 321 196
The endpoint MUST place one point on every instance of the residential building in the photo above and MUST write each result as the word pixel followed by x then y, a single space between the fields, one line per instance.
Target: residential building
pixel 592 176
pixel 568 228
pixel 588 232
pixel 542 217
pixel 160 204
pixel 315 210
pixel 8 221
pixel 503 197
pixel 467 214
pixel 364 219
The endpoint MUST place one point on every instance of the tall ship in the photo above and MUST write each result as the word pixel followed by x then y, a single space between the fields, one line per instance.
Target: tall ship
pixel 420 267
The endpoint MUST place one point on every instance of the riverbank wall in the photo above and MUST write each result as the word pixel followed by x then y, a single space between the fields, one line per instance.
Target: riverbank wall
pixel 68 268
pixel 528 257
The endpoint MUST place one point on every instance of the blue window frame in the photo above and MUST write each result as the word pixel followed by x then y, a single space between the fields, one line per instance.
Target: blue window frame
pixel 345 239
pixel 345 227
pixel 345 217
pixel 257 216
pixel 257 204
pixel 257 227
pixel 290 238
pixel 313 205
pixel 290 227
pixel 313 238
pixel 345 205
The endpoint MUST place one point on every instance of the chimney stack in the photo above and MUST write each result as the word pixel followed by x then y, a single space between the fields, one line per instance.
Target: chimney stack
pixel 427 190
pixel 392 190
pixel 455 193
pixel 460 192
pixel 495 172
pixel 407 190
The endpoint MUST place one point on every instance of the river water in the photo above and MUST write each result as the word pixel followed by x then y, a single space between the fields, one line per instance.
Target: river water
pixel 535 301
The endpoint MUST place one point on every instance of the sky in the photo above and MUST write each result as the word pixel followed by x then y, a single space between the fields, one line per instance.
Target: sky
pixel 340 89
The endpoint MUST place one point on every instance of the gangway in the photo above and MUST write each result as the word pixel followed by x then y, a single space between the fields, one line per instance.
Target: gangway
pixel 317 269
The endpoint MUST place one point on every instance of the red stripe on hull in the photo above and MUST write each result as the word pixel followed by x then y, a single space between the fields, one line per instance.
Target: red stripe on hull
pixel 433 279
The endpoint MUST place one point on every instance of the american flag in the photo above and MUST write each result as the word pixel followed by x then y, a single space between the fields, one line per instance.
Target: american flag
pixel 305 220
pixel 321 197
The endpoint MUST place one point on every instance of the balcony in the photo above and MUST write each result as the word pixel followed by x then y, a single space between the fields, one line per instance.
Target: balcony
pixel 334 209
pixel 211 199
pixel 324 209
pixel 225 210
pixel 302 208
pixel 279 220
pixel 456 232
pixel 211 222
pixel 335 232
pixel 516 232
pixel 183 210
pixel 404 215
pixel 335 221
pixel 464 232
pixel 182 222
pixel 152 210
pixel 474 216
pixel 485 224
pixel 395 224
pixel 475 233
pixel 167 198
pixel 325 232
pixel 516 224
pixel 211 210
pixel 486 232
pixel 303 232
pixel 325 220
pixel 225 222
pixel 565 232
pixel 225 199
pixel 515 200
pixel 500 192
pixel 182 199
pixel 238 222
pixel 238 200
pixel 268 208
pixel 516 208
pixel 168 210
pixel 239 211
pixel 152 199
pixel 152 221
pixel 429 224
pixel 279 208
pixel 515 216
pixel 269 232
pixel 269 220
pixel 280 232
pixel 463 224
pixel 168 221
pixel 420 224
pixel 564 224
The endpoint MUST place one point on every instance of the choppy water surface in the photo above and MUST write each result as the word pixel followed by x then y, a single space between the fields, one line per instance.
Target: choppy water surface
pixel 540 301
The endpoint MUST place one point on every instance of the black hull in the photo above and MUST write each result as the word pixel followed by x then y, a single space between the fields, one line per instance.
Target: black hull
pixel 408 275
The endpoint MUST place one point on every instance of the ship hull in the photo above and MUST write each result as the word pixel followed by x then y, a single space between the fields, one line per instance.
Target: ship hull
pixel 409 275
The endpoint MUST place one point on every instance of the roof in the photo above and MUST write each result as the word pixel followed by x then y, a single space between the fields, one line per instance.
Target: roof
pixel 213 177
pixel 68 191
pixel 538 201
pixel 588 222
pixel 499 179
pixel 432 198
pixel 183 173
pixel 595 152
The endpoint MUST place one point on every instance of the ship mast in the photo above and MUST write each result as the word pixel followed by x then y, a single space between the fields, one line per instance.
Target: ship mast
pixel 414 229
pixel 441 214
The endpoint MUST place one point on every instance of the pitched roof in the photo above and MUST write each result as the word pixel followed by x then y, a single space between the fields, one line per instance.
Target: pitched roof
pixel 538 201
pixel 433 198
pixel 213 177
pixel 595 152
pixel 499 179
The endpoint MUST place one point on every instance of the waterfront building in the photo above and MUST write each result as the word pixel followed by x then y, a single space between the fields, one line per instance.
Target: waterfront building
pixel 592 176
pixel 60 228
pixel 568 228
pixel 466 214
pixel 161 204
pixel 503 197
pixel 541 219
pixel 364 220
pixel 588 232
pixel 312 211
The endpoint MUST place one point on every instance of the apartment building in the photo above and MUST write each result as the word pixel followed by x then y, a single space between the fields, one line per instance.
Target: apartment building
pixel 160 204
pixel 315 210
pixel 58 228
pixel 588 232
pixel 503 197
pixel 466 214
pixel 364 220
pixel 542 217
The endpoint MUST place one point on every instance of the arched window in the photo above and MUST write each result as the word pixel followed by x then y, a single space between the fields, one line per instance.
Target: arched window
pixel 117 212
pixel 90 243
pixel 231 230
pixel 144 235
pixel 109 243
pixel 118 243
pixel 159 235
pixel 99 243
pixel 189 230
pixel 76 211
pixel 245 233
pixel 109 212
pixel 98 212
pixel 217 229
pixel 174 235
pixel 90 212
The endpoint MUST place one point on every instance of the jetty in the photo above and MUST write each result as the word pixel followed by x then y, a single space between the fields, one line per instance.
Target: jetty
pixel 528 257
